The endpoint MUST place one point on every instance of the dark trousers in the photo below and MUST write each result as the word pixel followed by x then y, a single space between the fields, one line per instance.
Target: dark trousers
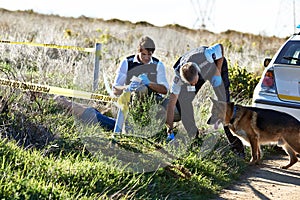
pixel 185 99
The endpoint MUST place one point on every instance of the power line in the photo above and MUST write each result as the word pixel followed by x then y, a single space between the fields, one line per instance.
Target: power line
pixel 204 12
pixel 286 20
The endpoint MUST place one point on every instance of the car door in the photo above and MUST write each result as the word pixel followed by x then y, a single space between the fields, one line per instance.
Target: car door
pixel 287 75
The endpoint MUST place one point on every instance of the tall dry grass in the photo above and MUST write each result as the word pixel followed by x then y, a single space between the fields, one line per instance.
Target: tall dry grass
pixel 74 69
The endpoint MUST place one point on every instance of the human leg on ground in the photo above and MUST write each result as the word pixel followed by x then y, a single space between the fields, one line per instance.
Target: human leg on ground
pixel 86 114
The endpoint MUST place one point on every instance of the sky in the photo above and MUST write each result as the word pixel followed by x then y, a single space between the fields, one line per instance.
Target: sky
pixel 265 17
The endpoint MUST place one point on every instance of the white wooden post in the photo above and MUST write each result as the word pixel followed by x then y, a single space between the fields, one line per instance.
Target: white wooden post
pixel 96 66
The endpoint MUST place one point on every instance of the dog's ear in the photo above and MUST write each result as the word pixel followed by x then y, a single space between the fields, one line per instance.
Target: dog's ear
pixel 230 105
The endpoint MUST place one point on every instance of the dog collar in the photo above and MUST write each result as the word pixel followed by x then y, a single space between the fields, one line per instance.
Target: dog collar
pixel 235 108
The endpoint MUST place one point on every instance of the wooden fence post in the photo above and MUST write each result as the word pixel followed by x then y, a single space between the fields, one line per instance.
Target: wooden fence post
pixel 96 66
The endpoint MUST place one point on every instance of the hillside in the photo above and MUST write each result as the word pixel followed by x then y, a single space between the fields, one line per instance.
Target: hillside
pixel 45 153
pixel 172 40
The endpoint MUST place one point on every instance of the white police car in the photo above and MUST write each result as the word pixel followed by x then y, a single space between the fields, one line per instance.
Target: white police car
pixel 279 87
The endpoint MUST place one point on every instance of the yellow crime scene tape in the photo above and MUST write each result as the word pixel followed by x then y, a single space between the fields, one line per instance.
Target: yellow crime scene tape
pixel 26 86
pixel 91 50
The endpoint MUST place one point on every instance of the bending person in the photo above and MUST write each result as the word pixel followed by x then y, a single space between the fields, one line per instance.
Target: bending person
pixel 191 71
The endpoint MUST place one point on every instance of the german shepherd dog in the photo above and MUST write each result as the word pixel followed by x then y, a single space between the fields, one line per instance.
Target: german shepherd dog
pixel 257 126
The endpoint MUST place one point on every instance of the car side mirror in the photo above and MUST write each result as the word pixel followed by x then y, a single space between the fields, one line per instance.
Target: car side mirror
pixel 267 61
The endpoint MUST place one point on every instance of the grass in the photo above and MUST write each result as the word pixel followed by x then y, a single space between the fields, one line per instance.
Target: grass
pixel 45 153
pixel 30 174
pixel 66 167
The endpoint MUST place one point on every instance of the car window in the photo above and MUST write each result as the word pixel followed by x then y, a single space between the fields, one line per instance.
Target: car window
pixel 290 54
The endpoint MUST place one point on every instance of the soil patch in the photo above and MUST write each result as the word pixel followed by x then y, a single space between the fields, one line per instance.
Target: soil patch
pixel 266 181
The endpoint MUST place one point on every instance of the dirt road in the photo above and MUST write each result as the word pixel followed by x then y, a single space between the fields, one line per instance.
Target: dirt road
pixel 266 181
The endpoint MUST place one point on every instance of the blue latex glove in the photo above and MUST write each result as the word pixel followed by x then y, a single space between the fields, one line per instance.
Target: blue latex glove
pixel 170 137
pixel 216 81
pixel 144 79
pixel 133 85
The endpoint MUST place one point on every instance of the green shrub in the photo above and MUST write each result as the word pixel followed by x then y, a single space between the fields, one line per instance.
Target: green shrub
pixel 242 82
